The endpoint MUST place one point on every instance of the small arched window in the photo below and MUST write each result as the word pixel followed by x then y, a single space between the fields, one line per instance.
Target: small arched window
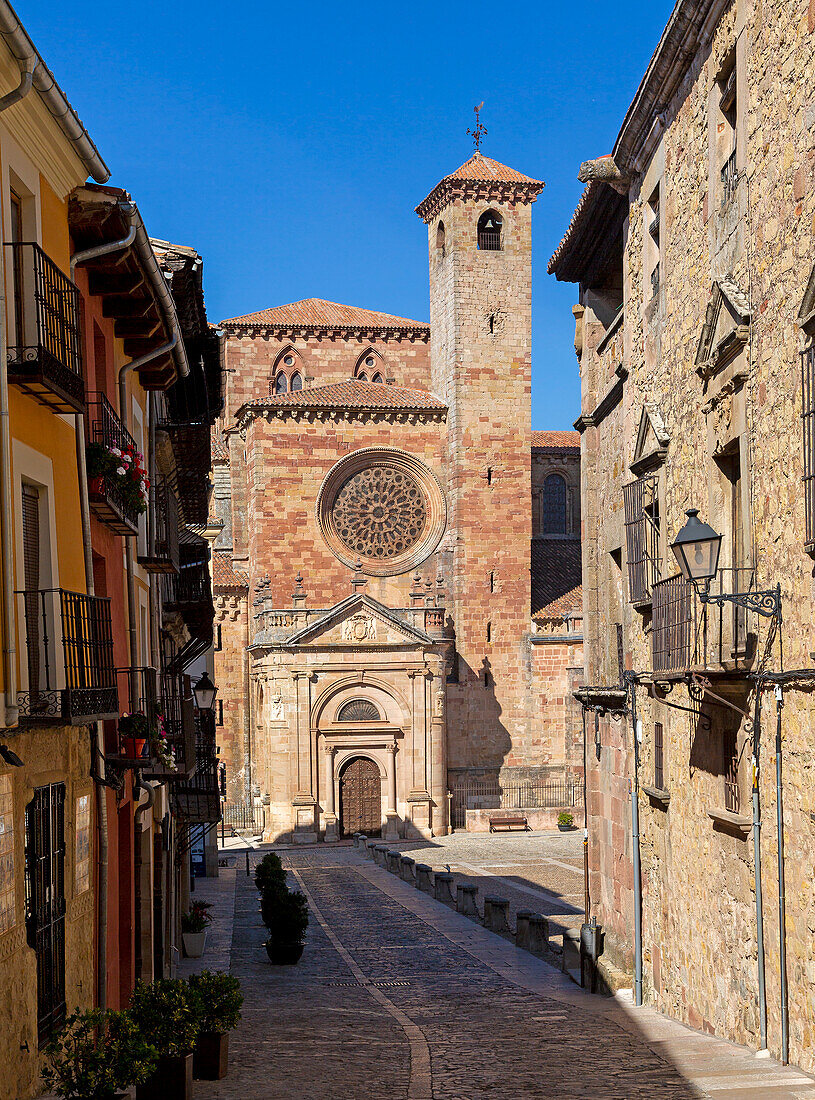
pixel 362 377
pixel 281 384
pixel 378 378
pixel 440 240
pixel 490 226
pixel 358 710
pixel 296 381
pixel 554 505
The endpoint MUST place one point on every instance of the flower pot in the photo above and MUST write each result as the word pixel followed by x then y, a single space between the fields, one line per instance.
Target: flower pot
pixel 194 943
pixel 172 1079
pixel 96 486
pixel 283 954
pixel 566 828
pixel 134 747
pixel 210 1059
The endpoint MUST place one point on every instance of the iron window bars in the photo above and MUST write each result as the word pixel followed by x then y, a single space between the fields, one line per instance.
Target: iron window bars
pixel 45 356
pixel 641 505
pixel 162 542
pixel 730 178
pixel 68 649
pixel 808 425
pixel 45 901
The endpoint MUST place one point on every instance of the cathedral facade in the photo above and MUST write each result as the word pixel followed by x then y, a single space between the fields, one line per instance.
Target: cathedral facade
pixel 397 572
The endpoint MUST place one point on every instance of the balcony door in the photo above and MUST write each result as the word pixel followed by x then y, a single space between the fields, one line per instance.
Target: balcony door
pixel 31 597
pixel 16 237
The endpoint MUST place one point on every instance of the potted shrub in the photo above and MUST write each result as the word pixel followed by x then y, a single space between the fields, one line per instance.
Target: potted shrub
pixel 285 914
pixel 220 1000
pixel 134 734
pixel 160 746
pixel 168 1016
pixel 97 1055
pixel 194 928
pixel 269 874
pixel 565 821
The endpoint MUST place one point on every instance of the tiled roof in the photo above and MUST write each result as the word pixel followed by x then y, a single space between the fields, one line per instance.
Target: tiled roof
pixel 224 575
pixel 316 312
pixel 355 395
pixel 480 176
pixel 219 451
pixel 556 578
pixel 480 168
pixel 591 189
pixel 561 440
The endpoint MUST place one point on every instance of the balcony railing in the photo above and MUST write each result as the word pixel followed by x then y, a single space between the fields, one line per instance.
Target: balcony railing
pixel 489 240
pixel 67 674
pixel 197 800
pixel 44 347
pixel 688 635
pixel 189 588
pixel 104 493
pixel 138 694
pixel 730 178
pixel 178 715
pixel 162 548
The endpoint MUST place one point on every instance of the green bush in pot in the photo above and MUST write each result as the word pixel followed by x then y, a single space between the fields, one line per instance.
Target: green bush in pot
pixel 220 1001
pixel 286 917
pixel 168 1015
pixel 269 874
pixel 97 1055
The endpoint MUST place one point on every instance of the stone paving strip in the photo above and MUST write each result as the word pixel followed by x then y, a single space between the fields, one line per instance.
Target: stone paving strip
pixel 398 997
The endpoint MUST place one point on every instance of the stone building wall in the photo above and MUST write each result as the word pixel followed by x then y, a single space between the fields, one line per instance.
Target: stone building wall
pixel 714 353
pixel 231 668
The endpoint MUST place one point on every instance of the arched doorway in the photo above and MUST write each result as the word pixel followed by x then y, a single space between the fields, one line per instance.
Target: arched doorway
pixel 360 798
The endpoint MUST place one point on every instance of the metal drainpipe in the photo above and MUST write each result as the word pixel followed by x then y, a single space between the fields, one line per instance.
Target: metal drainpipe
pixel 762 992
pixel 782 905
pixel 634 786
pixel 11 716
pixel 128 209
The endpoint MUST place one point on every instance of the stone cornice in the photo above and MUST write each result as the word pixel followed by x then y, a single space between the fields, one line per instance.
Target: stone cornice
pixel 247 413
pixel 266 330
pixel 446 192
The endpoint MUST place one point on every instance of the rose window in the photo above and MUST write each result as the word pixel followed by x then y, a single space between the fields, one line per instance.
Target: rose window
pixel 380 513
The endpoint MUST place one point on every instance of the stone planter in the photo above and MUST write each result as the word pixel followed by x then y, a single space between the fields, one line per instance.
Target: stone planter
pixel 210 1059
pixel 284 954
pixel 566 828
pixel 172 1079
pixel 194 944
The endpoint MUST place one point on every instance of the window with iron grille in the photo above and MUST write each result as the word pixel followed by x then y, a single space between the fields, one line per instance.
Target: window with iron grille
pixel 730 756
pixel 45 901
pixel 641 500
pixel 672 626
pixel 808 422
pixel 659 766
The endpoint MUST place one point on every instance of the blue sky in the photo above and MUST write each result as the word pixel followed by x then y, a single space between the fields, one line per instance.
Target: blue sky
pixel 289 144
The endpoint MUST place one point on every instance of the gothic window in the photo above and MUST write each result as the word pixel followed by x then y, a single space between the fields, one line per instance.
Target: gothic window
pixel 490 225
pixel 296 382
pixel 554 505
pixel 440 240
pixel 378 378
pixel 358 710
pixel 363 377
pixel 281 384
pixel 288 360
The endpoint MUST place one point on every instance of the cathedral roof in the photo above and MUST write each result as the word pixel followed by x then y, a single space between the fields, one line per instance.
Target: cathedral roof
pixel 480 177
pixel 224 575
pixel 557 590
pixel 317 313
pixel 562 441
pixel 355 395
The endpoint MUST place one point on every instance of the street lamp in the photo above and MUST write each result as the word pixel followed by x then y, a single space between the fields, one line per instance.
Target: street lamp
pixel 696 549
pixel 205 692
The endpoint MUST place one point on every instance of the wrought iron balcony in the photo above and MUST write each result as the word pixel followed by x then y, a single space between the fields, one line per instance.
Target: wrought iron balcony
pixel 44 345
pixel 107 501
pixel 162 541
pixel 177 710
pixel 138 694
pixel 197 800
pixel 66 674
pixel 190 588
pixel 689 636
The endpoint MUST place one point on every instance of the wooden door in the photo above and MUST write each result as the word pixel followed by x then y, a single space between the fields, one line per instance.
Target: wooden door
pixel 360 798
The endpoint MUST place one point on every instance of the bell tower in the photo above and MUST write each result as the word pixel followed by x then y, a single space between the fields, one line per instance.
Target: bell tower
pixel 479 222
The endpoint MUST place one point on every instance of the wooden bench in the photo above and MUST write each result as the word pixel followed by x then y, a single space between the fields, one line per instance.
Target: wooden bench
pixel 508 821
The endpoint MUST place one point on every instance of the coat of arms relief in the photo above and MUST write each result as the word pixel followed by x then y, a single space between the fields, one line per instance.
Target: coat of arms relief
pixel 359 628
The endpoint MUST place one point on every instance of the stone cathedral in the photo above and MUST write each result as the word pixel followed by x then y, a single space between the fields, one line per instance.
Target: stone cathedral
pixel 397 563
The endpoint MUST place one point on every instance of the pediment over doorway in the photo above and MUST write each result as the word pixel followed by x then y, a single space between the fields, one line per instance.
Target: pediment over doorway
pixel 652 442
pixel 360 621
pixel 726 327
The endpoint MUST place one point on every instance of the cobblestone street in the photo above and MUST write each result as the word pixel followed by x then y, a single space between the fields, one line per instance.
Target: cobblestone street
pixel 399 998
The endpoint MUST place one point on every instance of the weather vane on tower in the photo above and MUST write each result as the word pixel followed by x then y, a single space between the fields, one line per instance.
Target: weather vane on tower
pixel 480 130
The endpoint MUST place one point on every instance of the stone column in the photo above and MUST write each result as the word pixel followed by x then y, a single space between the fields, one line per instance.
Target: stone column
pixel 330 815
pixel 303 803
pixel 391 816
pixel 438 754
pixel 418 797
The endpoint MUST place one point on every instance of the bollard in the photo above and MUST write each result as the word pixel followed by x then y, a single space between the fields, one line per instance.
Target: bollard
pixel 466 903
pixel 538 935
pixel 570 960
pixel 392 858
pixel 370 846
pixel 496 914
pixel 423 878
pixel 522 928
pixel 247 861
pixel 361 841
pixel 406 865
pixel 443 887
pixel 379 854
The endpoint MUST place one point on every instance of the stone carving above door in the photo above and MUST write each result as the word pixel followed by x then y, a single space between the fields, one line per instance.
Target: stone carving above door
pixel 359 628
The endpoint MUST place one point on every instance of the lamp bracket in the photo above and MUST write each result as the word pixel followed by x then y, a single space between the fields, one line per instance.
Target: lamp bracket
pixel 700 686
pixel 766 603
